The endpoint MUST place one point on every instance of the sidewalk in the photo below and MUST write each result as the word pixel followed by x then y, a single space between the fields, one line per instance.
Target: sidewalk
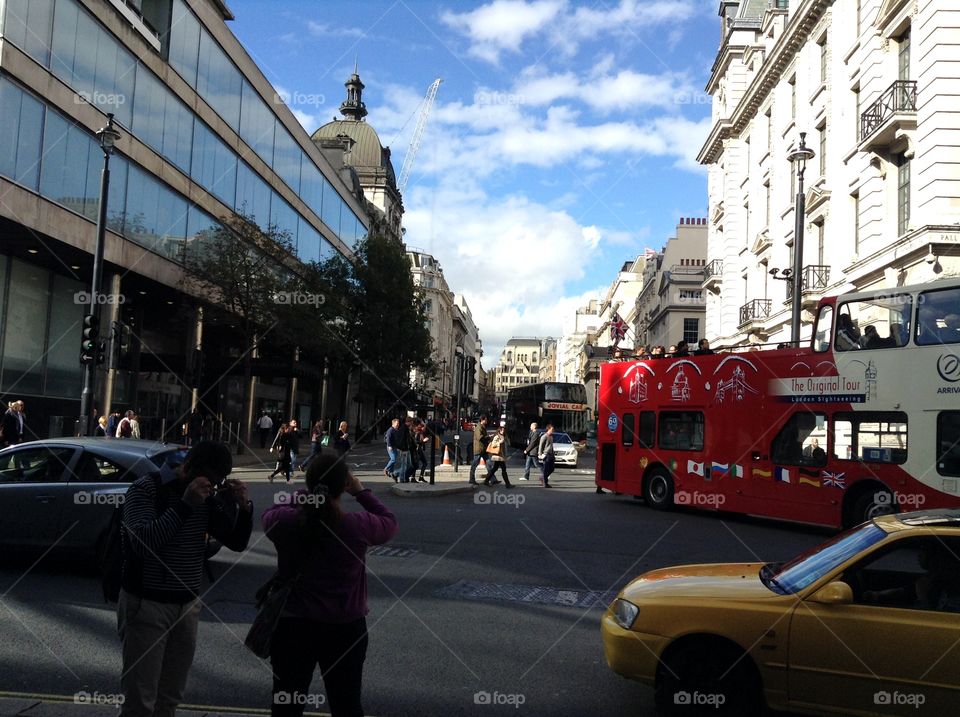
pixel 14 704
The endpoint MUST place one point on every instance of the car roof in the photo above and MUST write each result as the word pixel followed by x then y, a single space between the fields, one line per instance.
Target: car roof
pixel 941 517
pixel 105 446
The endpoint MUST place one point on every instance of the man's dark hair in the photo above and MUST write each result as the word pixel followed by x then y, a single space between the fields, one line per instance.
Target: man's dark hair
pixel 210 459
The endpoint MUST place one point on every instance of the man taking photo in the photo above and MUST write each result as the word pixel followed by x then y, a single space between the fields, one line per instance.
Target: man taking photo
pixel 166 521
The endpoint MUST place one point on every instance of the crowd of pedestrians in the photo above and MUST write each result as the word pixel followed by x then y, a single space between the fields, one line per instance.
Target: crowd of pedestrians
pixel 406 442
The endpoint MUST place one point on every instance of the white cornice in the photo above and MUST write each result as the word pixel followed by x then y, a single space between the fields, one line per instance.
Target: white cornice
pixel 796 33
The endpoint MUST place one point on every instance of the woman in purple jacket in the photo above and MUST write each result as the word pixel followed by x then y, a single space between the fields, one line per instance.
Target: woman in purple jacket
pixel 324 621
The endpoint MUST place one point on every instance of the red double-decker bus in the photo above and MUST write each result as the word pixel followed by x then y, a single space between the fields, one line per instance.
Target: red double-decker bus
pixel 864 420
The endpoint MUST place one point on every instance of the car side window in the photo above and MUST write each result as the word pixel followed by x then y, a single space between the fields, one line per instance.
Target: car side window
pixel 97 469
pixel 35 465
pixel 915 574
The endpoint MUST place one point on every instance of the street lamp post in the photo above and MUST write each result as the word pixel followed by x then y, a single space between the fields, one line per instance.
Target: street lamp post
pixel 107 137
pixel 458 377
pixel 801 154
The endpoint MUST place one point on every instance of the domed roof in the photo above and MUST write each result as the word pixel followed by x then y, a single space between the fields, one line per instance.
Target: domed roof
pixel 367 150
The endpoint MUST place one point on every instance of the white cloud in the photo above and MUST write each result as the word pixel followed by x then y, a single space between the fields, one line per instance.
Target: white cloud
pixel 502 25
pixel 606 92
pixel 456 143
pixel 511 257
pixel 320 29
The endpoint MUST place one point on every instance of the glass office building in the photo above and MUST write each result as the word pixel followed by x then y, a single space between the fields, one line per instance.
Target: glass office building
pixel 203 135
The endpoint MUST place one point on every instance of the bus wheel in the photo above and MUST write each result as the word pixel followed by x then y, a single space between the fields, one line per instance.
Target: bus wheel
pixel 658 489
pixel 873 503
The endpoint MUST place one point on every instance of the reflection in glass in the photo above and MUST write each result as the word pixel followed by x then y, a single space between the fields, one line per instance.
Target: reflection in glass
pixel 64 372
pixel 25 328
pixel 218 81
pixel 332 203
pixel 21 116
pixel 214 165
pixel 27 23
pixel 257 124
pixel 253 195
pixel 308 242
pixel 284 218
pixel 184 42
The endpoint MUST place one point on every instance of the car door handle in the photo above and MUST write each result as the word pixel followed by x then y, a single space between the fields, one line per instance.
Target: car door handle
pixel 44 498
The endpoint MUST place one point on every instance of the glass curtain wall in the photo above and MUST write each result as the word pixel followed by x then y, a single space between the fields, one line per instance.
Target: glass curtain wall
pixel 67 39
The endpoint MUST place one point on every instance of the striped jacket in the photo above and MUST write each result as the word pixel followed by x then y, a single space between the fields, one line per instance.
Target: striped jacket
pixel 164 549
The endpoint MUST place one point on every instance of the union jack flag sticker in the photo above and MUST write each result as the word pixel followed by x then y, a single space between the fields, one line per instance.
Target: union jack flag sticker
pixel 834 480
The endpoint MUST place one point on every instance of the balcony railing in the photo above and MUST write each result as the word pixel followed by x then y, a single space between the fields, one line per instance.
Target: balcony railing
pixel 901 96
pixel 753 310
pixel 713 269
pixel 816 277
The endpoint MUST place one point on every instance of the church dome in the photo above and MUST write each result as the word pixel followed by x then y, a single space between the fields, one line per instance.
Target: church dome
pixel 367 151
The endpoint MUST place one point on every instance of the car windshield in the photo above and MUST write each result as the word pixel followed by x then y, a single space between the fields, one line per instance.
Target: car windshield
pixel 561 438
pixel 805 569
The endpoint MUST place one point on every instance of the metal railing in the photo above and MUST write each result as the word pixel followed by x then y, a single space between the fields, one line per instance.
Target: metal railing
pixel 816 277
pixel 753 310
pixel 901 96
pixel 714 268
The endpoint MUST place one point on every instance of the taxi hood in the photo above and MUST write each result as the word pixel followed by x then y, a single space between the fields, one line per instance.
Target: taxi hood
pixel 718 581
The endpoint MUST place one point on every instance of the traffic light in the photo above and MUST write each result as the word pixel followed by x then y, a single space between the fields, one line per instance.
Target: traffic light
pixel 89 345
pixel 119 342
pixel 471 374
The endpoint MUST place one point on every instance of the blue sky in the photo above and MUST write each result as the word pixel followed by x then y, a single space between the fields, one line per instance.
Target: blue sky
pixel 561 144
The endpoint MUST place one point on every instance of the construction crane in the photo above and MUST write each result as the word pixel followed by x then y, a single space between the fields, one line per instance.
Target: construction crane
pixel 418 134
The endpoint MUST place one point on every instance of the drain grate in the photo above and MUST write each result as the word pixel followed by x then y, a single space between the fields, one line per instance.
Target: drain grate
pixel 385 551
pixel 533 594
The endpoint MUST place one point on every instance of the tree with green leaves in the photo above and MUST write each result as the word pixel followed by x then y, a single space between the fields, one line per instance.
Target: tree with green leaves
pixel 242 269
pixel 391 335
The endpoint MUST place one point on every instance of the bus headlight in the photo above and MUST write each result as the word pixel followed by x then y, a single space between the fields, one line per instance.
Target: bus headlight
pixel 625 612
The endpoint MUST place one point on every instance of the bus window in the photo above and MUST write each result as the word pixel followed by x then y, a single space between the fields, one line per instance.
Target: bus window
pixel 842 438
pixel 801 441
pixel 648 429
pixel 626 434
pixel 873 436
pixel 880 322
pixel 824 330
pixel 938 320
pixel 681 430
pixel 948 443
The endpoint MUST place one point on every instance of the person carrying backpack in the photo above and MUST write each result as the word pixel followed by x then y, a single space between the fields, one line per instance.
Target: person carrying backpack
pixel 166 522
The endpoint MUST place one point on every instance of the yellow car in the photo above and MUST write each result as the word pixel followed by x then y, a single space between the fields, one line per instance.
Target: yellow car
pixel 865 624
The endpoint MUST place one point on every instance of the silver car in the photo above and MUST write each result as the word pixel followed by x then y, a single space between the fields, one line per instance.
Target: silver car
pixel 60 494
pixel 564 450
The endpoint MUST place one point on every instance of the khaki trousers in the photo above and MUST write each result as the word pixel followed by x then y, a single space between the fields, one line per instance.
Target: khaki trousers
pixel 159 640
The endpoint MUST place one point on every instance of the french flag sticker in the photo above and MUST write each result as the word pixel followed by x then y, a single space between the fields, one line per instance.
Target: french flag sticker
pixel 782 475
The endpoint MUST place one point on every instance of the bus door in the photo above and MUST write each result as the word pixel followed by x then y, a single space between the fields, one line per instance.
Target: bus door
pixel 792 473
pixel 636 441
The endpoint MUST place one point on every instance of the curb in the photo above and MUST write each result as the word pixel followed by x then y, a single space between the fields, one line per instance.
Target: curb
pixel 425 490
